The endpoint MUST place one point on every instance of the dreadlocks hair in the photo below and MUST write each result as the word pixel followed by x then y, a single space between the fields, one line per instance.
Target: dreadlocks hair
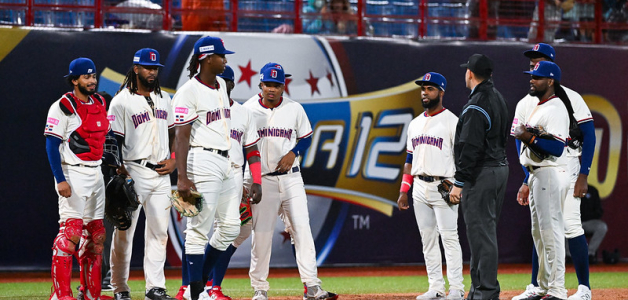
pixel 130 82
pixel 573 123
pixel 193 67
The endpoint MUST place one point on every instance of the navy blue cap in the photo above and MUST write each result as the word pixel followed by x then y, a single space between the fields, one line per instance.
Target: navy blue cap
pixel 210 45
pixel 434 79
pixel 273 64
pixel 541 50
pixel 227 74
pixel 273 74
pixel 479 64
pixel 81 66
pixel 546 69
pixel 147 57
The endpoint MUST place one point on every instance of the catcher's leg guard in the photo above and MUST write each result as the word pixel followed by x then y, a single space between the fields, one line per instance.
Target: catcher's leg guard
pixel 63 248
pixel 90 258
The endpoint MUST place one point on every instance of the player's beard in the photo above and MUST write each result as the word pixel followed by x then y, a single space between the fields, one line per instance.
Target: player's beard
pixel 537 92
pixel 147 84
pixel 85 91
pixel 431 103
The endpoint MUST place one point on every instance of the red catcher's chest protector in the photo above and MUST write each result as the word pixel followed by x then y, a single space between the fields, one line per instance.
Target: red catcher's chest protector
pixel 87 141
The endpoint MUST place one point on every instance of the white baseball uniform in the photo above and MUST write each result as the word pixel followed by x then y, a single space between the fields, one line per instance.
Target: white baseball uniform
pixel 431 143
pixel 207 110
pixel 146 143
pixel 548 184
pixel 87 201
pixel 243 135
pixel 279 129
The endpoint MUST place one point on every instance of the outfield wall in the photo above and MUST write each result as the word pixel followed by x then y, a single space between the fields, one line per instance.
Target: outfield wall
pixel 360 98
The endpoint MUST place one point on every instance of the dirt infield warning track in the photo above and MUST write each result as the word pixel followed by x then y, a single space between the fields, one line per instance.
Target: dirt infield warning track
pixel 360 271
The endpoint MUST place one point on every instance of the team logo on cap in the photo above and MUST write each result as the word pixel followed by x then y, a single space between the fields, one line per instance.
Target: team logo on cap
pixel 153 56
pixel 536 67
pixel 427 76
pixel 273 73
pixel 536 47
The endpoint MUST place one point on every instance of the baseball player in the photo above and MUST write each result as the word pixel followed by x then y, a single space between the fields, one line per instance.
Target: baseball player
pixel 75 134
pixel 203 120
pixel 548 182
pixel 243 135
pixel 285 132
pixel 578 171
pixel 431 137
pixel 141 118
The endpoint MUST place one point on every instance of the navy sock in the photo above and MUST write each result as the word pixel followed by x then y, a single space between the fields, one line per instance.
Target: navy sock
pixel 195 267
pixel 580 256
pixel 535 267
pixel 220 269
pixel 185 276
pixel 211 256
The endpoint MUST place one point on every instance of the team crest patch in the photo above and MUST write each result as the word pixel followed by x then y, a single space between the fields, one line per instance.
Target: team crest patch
pixel 179 118
pixel 49 127
pixel 53 121
pixel 182 110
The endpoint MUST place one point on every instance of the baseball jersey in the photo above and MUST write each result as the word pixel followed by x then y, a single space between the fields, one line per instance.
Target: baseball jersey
pixel 278 129
pixel 145 130
pixel 60 125
pixel 552 116
pixel 431 143
pixel 243 132
pixel 207 110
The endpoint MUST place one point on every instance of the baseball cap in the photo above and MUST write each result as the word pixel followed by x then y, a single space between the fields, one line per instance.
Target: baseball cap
pixel 541 50
pixel 147 57
pixel 227 74
pixel 545 69
pixel 273 74
pixel 273 64
pixel 210 45
pixel 434 79
pixel 80 66
pixel 479 64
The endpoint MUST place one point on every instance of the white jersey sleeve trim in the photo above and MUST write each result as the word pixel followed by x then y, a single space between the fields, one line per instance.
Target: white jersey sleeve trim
pixel 251 144
pixel 310 133
pixel 53 134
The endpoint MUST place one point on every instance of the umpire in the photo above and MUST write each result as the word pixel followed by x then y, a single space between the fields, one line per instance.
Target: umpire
pixel 481 172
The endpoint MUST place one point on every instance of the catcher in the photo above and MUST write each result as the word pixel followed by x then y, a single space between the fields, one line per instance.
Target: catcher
pixel 430 161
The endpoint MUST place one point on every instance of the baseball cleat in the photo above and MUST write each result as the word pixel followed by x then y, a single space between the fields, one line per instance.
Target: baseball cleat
pixel 431 295
pixel 550 297
pixel 215 293
pixel 158 294
pixel 182 290
pixel 531 293
pixel 122 296
pixel 583 293
pixel 317 293
pixel 455 295
pixel 260 295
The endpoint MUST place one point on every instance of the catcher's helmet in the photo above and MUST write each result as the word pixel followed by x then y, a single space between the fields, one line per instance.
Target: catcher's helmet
pixel 121 201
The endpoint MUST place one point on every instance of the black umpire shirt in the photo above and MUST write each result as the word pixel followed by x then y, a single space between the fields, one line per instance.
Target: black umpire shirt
pixel 481 133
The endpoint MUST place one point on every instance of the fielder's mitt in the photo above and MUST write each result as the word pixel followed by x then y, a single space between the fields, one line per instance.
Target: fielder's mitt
pixel 189 206
pixel 245 211
pixel 120 201
pixel 538 132
pixel 444 188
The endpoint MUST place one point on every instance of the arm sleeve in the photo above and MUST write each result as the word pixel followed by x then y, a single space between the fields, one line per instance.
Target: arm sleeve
pixel 588 146
pixel 54 157
pixel 476 122
pixel 302 145
pixel 525 171
pixel 549 146
pixel 409 158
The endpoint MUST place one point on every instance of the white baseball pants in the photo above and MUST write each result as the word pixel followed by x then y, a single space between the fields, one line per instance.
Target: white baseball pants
pixel 87 201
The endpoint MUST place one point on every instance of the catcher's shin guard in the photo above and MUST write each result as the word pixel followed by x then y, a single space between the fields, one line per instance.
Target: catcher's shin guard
pixel 91 259
pixel 63 248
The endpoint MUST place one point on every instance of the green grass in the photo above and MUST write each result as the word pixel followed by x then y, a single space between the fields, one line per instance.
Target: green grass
pixel 240 288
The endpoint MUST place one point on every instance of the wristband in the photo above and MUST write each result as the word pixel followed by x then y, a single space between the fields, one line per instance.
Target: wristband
pixel 406 183
pixel 256 172
pixel 251 154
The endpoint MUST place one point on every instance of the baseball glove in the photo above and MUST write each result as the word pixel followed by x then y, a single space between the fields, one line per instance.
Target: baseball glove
pixel 245 212
pixel 120 201
pixel 444 188
pixel 189 206
pixel 538 132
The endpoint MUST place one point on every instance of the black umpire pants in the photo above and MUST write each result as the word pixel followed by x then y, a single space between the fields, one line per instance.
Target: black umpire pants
pixel 481 206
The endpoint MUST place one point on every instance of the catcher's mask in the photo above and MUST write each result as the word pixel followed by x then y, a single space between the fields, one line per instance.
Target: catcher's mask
pixel 121 201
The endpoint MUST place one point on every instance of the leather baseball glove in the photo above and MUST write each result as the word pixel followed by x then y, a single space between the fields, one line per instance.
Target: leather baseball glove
pixel 444 188
pixel 538 132
pixel 120 201
pixel 189 206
